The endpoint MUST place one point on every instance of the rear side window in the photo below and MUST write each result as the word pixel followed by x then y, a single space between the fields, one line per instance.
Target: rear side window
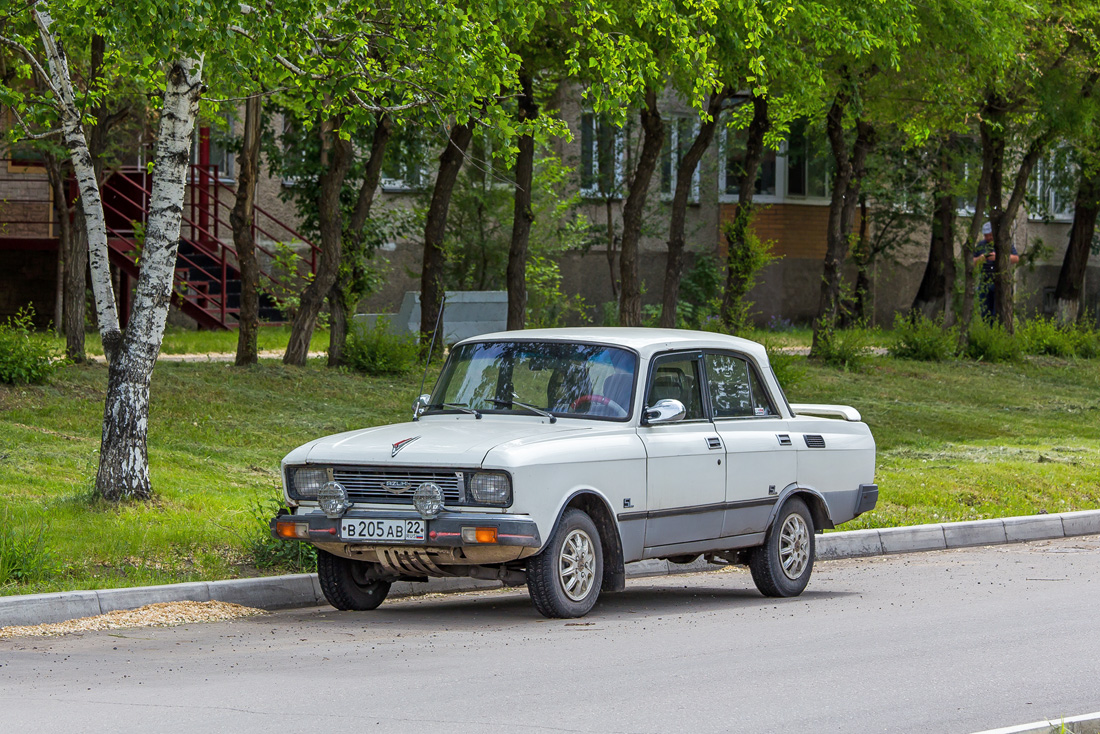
pixel 736 390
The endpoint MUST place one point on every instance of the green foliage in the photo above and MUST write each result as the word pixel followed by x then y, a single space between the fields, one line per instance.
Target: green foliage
pixel 25 556
pixel 270 553
pixel 846 349
pixel 1086 341
pixel 923 339
pixel 991 343
pixel 748 255
pixel 25 357
pixel 1047 336
pixel 289 277
pixel 789 367
pixel 699 294
pixel 547 306
pixel 375 351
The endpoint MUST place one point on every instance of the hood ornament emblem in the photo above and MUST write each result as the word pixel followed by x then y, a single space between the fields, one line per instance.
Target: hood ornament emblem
pixel 401 444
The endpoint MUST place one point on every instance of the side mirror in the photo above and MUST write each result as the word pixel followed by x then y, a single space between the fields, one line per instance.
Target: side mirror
pixel 668 410
pixel 421 405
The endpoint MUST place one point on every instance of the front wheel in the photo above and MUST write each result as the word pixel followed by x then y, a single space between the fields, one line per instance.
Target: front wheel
pixel 564 579
pixel 350 585
pixel 782 566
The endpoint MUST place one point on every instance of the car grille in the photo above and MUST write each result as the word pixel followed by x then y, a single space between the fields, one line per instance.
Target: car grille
pixel 369 484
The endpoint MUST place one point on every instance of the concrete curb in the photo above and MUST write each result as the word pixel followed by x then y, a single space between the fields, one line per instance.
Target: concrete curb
pixel 303 590
pixel 1087 724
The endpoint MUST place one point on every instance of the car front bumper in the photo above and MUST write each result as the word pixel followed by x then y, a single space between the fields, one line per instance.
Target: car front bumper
pixel 445 531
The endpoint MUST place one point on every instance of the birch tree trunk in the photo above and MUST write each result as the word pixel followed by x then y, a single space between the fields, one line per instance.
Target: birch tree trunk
pixel 685 173
pixel 123 457
pixel 630 294
pixel 241 218
pixel 91 202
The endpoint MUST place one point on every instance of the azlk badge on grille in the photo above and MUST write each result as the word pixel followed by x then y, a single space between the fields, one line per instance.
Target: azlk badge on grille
pixel 396 486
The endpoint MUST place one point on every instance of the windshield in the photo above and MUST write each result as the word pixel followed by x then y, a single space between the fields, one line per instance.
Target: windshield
pixel 573 380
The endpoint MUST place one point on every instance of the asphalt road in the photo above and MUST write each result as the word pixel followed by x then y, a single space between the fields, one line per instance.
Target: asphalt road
pixel 950 641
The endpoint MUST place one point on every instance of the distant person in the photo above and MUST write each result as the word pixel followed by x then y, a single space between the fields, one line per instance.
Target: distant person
pixel 985 254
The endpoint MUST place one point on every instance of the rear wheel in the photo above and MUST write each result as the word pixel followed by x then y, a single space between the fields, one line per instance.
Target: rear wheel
pixel 350 585
pixel 564 579
pixel 782 566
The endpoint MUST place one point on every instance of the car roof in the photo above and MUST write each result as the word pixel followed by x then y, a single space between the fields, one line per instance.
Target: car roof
pixel 645 341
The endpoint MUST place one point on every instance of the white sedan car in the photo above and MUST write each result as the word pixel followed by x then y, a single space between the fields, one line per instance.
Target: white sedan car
pixel 554 457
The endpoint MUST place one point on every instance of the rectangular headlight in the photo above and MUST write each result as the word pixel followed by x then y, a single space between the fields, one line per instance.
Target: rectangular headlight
pixel 491 488
pixel 305 481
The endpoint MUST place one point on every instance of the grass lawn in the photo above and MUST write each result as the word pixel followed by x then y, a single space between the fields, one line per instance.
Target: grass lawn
pixel 189 341
pixel 956 441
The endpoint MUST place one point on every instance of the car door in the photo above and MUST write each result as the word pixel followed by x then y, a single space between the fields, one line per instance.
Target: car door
pixel 685 476
pixel 760 457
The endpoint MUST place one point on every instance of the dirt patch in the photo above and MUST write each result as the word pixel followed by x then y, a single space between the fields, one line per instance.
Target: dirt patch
pixel 164 614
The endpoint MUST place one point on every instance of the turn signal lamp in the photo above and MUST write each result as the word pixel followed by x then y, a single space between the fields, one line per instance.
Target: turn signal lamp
pixel 292 530
pixel 479 535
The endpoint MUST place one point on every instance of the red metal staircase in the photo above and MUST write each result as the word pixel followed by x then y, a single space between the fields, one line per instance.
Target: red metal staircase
pixel 207 283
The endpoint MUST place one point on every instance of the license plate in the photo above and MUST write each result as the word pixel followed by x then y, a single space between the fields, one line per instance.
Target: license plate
pixel 385 531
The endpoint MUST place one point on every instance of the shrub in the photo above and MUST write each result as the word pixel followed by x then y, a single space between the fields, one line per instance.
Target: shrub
pixel 923 339
pixel 789 368
pixel 991 343
pixel 376 351
pixel 1046 336
pixel 25 558
pixel 845 349
pixel 25 357
pixel 1086 341
pixel 268 551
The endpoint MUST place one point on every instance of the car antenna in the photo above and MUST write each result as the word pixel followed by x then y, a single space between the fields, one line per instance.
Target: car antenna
pixel 428 361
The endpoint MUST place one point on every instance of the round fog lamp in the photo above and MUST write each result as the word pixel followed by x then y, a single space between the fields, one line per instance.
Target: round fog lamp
pixel 428 500
pixel 333 499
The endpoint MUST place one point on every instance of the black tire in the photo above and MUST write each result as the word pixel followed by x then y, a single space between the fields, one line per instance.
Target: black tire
pixel 348 585
pixel 782 566
pixel 564 579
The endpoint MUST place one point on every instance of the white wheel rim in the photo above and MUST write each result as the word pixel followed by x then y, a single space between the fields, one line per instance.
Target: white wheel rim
pixel 577 565
pixel 794 546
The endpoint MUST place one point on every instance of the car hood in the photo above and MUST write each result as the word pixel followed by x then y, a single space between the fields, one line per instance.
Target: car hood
pixel 461 441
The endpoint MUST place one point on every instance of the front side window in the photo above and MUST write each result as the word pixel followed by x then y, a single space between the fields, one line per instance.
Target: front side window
pixel 676 377
pixel 571 380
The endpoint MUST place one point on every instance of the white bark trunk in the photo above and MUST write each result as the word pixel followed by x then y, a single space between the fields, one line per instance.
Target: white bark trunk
pixel 124 465
pixel 92 203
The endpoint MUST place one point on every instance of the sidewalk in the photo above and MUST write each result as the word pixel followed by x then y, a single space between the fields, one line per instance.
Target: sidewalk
pixel 303 590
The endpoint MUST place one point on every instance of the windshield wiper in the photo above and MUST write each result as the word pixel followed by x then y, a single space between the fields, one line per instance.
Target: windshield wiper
pixel 538 411
pixel 463 407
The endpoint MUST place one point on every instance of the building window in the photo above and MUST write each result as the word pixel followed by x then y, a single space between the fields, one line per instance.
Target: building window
pixel 733 166
pixel 807 162
pixel 603 153
pixel 404 167
pixel 1051 188
pixel 680 133
pixel 485 168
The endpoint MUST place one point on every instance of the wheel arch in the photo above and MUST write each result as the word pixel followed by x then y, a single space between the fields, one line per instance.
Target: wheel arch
pixel 819 508
pixel 596 507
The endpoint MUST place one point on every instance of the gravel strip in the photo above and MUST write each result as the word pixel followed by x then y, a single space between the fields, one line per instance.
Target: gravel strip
pixel 164 614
